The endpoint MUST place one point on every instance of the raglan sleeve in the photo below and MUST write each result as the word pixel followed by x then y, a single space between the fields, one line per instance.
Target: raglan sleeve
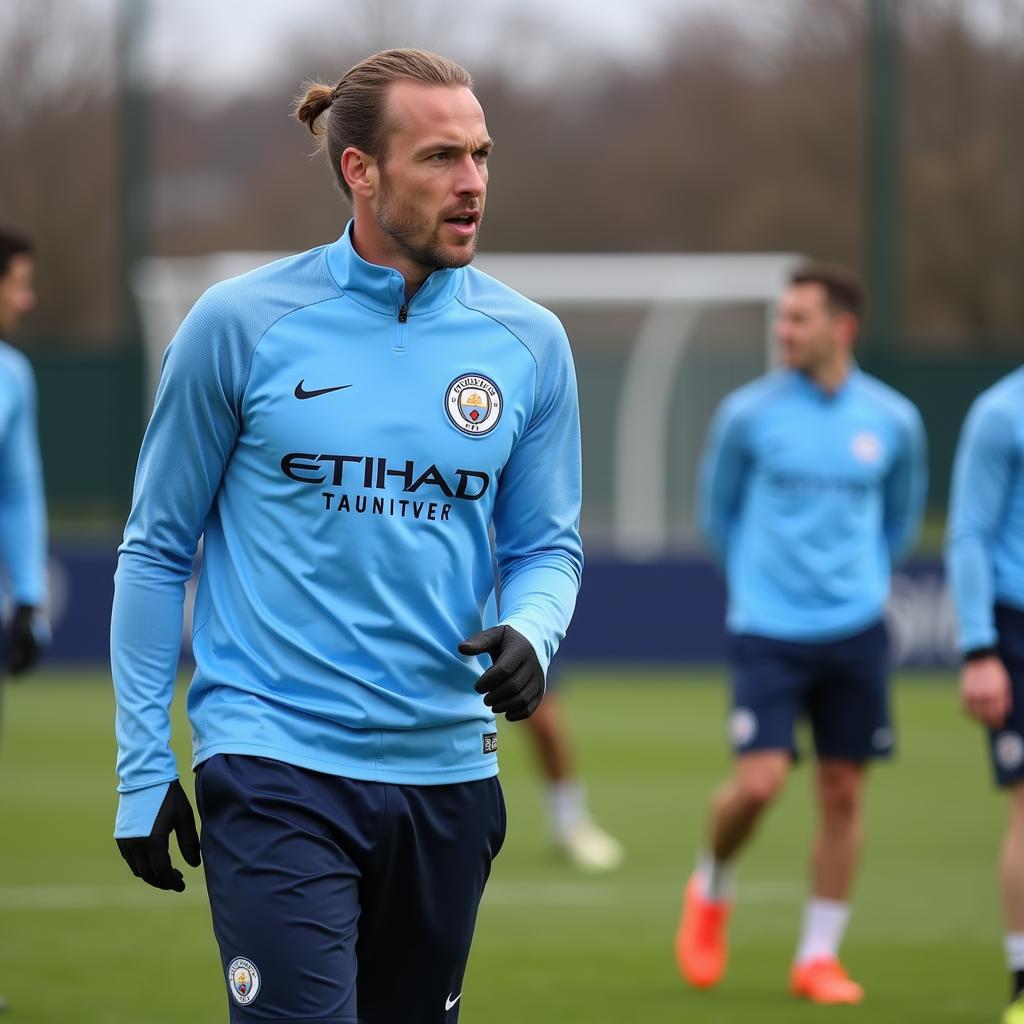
pixel 22 501
pixel 721 475
pixel 982 471
pixel 190 437
pixel 906 486
pixel 537 543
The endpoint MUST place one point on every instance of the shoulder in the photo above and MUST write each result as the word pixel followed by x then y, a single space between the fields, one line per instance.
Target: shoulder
pixel 889 401
pixel 1004 399
pixel 748 398
pixel 998 412
pixel 15 366
pixel 537 328
pixel 251 303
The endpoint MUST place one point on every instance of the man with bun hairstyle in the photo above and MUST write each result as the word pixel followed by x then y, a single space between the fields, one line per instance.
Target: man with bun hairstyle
pixel 361 418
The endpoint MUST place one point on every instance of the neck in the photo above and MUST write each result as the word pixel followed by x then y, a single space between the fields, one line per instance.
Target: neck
pixel 376 247
pixel 831 376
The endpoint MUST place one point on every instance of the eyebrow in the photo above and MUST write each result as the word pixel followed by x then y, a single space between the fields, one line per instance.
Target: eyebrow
pixel 434 147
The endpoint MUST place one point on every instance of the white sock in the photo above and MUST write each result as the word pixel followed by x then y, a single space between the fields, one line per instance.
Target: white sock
pixel 567 805
pixel 715 877
pixel 824 925
pixel 1013 943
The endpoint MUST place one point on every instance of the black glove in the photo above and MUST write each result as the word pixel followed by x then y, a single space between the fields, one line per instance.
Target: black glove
pixel 514 684
pixel 149 856
pixel 24 644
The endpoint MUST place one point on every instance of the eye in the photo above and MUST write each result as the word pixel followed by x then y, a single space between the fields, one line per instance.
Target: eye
pixel 440 157
pixel 481 155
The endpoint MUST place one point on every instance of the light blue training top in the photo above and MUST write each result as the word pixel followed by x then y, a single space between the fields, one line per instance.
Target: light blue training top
pixel 22 501
pixel 808 498
pixel 985 533
pixel 344 456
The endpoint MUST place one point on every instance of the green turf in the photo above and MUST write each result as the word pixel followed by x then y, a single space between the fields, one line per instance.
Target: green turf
pixel 82 941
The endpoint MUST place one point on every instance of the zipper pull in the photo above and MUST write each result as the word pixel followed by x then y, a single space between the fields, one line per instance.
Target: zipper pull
pixel 403 313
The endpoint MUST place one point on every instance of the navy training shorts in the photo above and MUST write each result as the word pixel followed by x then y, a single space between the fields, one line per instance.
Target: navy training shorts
pixel 841 686
pixel 338 901
pixel 1006 744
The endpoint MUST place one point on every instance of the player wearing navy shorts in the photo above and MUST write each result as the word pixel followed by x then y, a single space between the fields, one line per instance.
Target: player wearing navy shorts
pixel 985 561
pixel 812 485
pixel 346 429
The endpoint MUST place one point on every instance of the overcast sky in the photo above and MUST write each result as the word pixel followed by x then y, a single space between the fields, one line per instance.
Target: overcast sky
pixel 226 41
pixel 238 45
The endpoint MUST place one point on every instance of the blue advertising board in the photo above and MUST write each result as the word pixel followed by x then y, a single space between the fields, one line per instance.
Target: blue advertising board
pixel 670 610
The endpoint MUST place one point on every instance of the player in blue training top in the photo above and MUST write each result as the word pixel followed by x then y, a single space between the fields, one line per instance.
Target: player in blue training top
pixel 22 504
pixel 985 561
pixel 344 428
pixel 812 485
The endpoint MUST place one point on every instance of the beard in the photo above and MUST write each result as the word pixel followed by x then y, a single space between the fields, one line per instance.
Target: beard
pixel 416 236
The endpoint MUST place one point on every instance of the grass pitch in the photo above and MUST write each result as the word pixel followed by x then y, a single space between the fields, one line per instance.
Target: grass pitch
pixel 83 941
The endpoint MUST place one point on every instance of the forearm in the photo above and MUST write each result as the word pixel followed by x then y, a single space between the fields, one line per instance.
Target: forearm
pixel 538 597
pixel 145 642
pixel 23 540
pixel 969 566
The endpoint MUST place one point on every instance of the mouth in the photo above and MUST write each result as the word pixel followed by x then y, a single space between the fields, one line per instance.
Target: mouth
pixel 464 223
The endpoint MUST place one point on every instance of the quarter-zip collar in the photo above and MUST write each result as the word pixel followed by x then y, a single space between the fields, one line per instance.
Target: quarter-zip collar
pixel 382 288
pixel 806 384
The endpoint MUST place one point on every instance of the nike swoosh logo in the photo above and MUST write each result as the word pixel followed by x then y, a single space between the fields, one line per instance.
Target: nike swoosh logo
pixel 301 392
pixel 449 1002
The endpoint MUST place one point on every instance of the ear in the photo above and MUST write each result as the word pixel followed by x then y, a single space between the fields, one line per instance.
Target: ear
pixel 848 325
pixel 360 170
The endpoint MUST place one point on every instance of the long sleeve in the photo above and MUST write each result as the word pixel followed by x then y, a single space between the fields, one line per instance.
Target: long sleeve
pixel 537 511
pixel 721 475
pixel 982 473
pixel 191 434
pixel 906 488
pixel 22 502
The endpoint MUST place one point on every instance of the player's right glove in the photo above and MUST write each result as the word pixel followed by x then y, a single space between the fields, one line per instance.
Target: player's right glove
pixel 149 857
pixel 28 637
pixel 514 684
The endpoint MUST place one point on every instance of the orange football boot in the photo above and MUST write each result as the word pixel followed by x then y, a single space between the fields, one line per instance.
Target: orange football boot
pixel 701 949
pixel 824 981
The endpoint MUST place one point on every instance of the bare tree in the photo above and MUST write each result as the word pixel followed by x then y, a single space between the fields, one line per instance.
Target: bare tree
pixel 57 175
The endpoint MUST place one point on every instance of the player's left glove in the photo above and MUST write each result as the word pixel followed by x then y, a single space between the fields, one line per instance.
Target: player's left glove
pixel 28 636
pixel 514 684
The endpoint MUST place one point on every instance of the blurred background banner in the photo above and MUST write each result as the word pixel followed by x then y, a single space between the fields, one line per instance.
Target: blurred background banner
pixel 694 147
pixel 650 612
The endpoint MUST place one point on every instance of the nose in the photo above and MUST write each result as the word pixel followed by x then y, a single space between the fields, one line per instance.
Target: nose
pixel 472 180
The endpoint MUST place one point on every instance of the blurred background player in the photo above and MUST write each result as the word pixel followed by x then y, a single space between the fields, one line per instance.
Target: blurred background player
pixel 579 838
pixel 812 485
pixel 985 562
pixel 22 506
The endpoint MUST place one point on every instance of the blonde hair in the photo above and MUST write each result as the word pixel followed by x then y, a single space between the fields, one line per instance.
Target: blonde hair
pixel 351 113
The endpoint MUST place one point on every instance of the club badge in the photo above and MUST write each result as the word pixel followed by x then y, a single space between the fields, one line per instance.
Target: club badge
pixel 866 447
pixel 243 980
pixel 1009 751
pixel 473 403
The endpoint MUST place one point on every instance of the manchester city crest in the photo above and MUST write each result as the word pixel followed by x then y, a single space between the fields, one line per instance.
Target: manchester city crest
pixel 243 980
pixel 473 403
pixel 866 447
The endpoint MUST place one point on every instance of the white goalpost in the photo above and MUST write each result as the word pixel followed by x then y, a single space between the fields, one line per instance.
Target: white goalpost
pixel 658 340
